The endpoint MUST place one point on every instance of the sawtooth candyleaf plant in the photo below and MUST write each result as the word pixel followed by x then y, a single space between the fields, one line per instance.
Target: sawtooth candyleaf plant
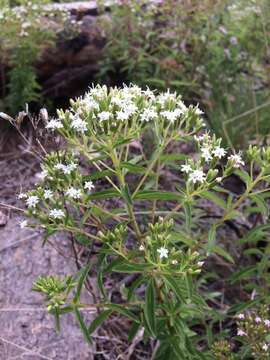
pixel 109 189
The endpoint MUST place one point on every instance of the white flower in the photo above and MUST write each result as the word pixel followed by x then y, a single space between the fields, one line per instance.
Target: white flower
pixel 104 115
pixel 203 137
pixel 182 106
pixel 171 115
pixel 164 97
pixel 241 316
pixel 206 154
pixel 198 111
pixel 57 214
pixel 130 108
pixel 186 168
pixel 236 160
pixel 219 152
pixel 122 115
pixel 174 262
pixel 89 185
pixel 258 320
pixel 141 248
pixel 74 193
pixel 90 104
pixel 219 179
pixel 48 194
pixel 265 347
pixel 42 175
pixel 197 176
pixel 32 201
pixel 23 224
pixel 78 124
pixel 200 263
pixel 163 252
pixel 149 114
pixel 59 166
pixel 240 332
pixel 67 169
pixel 267 323
pixel 149 93
pixel 22 196
pixel 54 124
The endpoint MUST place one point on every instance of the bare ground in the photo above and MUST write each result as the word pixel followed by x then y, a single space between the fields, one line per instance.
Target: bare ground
pixel 27 331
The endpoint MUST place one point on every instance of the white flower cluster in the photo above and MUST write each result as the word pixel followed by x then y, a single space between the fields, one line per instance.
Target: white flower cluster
pixel 210 149
pixel 236 160
pixel 74 193
pixel 103 108
pixel 56 214
pixel 54 124
pixel 66 169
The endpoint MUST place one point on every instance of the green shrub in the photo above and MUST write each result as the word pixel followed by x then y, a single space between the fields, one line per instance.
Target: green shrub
pixel 110 189
pixel 26 30
pixel 212 51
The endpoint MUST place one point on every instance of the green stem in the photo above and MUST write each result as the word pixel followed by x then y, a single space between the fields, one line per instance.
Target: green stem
pixel 122 182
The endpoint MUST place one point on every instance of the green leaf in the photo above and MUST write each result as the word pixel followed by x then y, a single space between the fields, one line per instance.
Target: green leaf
pixel 133 330
pixel 211 238
pixel 133 168
pixel 82 239
pixel 222 252
pixel 106 194
pixel 175 286
pixel 243 306
pixel 149 308
pixel 166 158
pixel 245 273
pixel 131 268
pixel 123 311
pixel 99 320
pixel 260 202
pixel 84 273
pixel 126 194
pixel 188 215
pixel 244 176
pixel 100 175
pixel 180 236
pixel 157 195
pixel 82 325
pixel 209 195
pixel 134 286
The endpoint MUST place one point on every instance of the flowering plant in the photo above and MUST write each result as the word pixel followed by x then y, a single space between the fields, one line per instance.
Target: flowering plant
pixel 253 335
pixel 26 30
pixel 107 189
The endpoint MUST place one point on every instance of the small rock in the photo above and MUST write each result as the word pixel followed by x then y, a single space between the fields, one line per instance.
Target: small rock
pixel 3 219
